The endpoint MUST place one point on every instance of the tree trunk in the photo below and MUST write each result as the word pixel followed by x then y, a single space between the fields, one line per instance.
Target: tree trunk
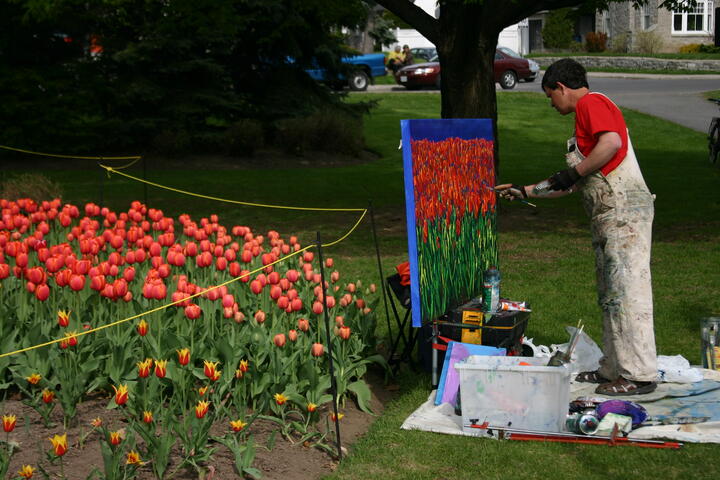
pixel 467 54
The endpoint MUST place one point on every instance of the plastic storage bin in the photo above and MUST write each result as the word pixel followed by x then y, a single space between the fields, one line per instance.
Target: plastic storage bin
pixel 503 393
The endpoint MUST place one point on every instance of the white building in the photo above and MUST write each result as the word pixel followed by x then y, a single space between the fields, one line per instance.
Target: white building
pixel 515 36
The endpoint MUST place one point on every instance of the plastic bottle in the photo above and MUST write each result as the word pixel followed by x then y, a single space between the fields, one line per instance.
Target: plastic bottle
pixel 542 189
pixel 491 290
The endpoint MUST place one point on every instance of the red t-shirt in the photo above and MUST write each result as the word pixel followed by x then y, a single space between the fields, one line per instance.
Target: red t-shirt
pixel 595 114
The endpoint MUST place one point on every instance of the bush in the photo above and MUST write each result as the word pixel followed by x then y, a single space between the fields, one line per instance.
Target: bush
pixel 558 29
pixel 242 138
pixel 169 142
pixel 690 48
pixel 709 49
pixel 596 41
pixel 619 43
pixel 575 46
pixel 30 185
pixel 649 42
pixel 327 130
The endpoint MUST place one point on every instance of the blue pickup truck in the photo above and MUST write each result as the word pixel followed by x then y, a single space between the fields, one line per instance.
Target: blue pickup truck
pixel 364 68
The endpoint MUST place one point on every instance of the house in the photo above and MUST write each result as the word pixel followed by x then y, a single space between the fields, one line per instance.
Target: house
pixel 669 29
pixel 514 37
pixel 649 28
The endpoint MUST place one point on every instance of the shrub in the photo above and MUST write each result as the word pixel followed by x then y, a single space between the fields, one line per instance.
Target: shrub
pixel 690 48
pixel 596 41
pixel 243 137
pixel 558 29
pixel 708 49
pixel 575 46
pixel 169 142
pixel 648 42
pixel 327 130
pixel 619 43
pixel 30 185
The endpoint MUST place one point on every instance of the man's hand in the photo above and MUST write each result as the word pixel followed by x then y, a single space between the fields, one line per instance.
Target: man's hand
pixel 564 179
pixel 511 191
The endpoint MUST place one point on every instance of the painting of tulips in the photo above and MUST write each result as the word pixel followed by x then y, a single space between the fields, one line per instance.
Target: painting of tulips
pixel 450 208
pixel 193 340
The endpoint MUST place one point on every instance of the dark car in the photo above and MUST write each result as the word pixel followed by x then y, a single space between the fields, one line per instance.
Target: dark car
pixel 509 68
pixel 424 53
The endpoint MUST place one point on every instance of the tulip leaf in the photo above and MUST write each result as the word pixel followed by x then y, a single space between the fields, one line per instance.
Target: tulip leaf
pixel 362 392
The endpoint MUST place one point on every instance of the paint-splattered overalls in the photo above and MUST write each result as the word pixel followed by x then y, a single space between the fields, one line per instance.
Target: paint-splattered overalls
pixel 621 212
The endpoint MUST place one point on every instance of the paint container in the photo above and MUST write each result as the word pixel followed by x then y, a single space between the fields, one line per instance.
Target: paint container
pixel 583 423
pixel 710 342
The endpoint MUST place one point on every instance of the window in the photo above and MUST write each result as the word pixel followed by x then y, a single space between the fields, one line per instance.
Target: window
pixel 645 17
pixel 697 20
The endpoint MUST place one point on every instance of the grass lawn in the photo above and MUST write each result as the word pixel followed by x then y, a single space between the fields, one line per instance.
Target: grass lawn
pixel 545 255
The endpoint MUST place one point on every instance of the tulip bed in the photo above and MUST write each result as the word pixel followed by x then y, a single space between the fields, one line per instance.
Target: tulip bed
pixel 182 325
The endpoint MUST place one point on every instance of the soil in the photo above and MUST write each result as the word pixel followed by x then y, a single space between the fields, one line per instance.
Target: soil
pixel 286 460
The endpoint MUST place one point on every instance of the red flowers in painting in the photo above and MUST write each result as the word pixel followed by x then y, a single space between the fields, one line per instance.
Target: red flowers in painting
pixel 445 177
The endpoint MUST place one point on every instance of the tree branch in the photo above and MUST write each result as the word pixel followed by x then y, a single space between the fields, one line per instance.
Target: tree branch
pixel 415 16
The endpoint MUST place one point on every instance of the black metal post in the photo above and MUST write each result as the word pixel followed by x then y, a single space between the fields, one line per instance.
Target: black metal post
pixel 380 270
pixel 333 381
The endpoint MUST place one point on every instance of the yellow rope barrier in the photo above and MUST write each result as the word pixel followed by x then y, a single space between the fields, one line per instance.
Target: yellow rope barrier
pixel 226 200
pixel 156 309
pixel 79 157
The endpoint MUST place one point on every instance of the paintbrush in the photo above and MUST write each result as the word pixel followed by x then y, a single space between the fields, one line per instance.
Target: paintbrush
pixel 521 200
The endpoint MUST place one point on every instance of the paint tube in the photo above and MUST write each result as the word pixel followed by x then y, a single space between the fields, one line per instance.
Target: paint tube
pixel 509 306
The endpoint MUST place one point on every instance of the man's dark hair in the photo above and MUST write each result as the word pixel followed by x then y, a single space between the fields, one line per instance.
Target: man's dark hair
pixel 566 71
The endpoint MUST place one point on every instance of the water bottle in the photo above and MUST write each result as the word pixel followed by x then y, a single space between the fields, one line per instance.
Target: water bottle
pixel 542 189
pixel 491 290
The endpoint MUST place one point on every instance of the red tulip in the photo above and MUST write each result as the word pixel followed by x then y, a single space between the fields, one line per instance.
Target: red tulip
pixel 279 340
pixel 344 332
pixel 256 287
pixel 293 335
pixel 303 324
pixel 259 316
pixel 183 356
pixel 193 311
pixel 317 308
pixel 42 292
pixel 317 350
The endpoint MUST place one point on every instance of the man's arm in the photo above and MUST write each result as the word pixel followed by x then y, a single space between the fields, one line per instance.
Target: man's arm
pixel 608 145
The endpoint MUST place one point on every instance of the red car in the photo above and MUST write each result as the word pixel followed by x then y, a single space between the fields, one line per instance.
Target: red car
pixel 509 68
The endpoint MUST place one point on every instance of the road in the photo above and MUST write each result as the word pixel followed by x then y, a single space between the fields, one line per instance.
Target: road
pixel 677 98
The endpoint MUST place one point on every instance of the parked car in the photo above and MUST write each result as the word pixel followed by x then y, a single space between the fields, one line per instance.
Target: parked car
pixel 424 53
pixel 364 69
pixel 509 68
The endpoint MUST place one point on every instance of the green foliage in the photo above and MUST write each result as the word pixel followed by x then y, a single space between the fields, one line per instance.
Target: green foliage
pixel 325 131
pixel 708 49
pixel 171 75
pixel 558 29
pixel 596 41
pixel 243 137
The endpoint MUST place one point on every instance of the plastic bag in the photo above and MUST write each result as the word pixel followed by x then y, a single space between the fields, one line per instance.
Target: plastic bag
pixel 677 369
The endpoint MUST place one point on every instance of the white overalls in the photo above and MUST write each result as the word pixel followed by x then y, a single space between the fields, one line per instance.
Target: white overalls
pixel 621 212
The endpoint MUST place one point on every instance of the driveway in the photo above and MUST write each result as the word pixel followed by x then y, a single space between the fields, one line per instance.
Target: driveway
pixel 677 98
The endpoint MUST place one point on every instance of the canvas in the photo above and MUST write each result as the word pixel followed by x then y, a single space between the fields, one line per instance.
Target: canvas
pixel 450 207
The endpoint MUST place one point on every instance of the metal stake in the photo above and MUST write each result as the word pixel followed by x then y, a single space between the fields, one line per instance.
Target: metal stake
pixel 333 381
pixel 380 270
